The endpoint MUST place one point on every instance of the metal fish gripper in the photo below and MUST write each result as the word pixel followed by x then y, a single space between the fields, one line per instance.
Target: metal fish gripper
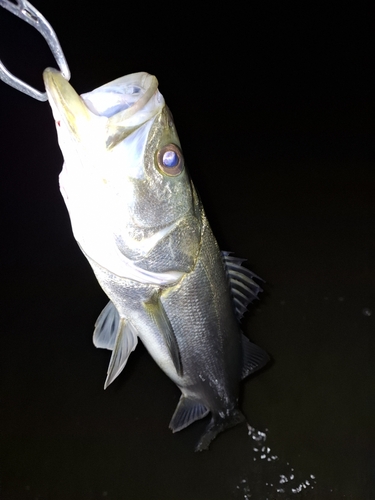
pixel 27 12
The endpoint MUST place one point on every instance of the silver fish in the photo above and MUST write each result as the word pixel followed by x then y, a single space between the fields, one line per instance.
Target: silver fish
pixel 138 220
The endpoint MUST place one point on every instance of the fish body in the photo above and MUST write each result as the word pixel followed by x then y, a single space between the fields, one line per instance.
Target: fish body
pixel 140 223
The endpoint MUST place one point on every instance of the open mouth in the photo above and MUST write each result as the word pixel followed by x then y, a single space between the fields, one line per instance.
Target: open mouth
pixel 126 103
pixel 128 93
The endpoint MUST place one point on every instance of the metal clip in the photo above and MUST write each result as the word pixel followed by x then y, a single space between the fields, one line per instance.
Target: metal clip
pixel 25 11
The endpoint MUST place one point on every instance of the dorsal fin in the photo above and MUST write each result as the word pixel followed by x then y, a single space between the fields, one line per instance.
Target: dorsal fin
pixel 244 289
pixel 254 357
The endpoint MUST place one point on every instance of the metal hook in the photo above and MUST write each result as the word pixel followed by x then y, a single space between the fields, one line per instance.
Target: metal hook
pixel 25 11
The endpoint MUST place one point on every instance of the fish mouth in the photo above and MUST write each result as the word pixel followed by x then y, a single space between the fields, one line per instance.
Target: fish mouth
pixel 124 104
pixel 66 104
pixel 123 97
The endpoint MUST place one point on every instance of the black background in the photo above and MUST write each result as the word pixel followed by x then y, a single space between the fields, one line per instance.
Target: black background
pixel 274 104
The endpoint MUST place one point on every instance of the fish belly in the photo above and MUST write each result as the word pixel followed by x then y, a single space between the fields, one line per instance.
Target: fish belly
pixel 201 313
pixel 129 298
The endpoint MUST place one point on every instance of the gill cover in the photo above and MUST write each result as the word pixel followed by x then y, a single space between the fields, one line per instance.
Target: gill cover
pixel 121 202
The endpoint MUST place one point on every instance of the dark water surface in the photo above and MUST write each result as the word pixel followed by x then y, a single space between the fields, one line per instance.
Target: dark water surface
pixel 275 114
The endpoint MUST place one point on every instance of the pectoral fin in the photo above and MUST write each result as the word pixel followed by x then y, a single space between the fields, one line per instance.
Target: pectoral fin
pixel 106 328
pixel 156 310
pixel 126 342
pixel 254 357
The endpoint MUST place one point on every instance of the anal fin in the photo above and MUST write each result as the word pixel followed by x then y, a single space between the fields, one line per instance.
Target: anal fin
pixel 254 357
pixel 188 411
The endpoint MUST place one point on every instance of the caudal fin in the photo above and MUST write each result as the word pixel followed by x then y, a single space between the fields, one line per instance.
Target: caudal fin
pixel 219 424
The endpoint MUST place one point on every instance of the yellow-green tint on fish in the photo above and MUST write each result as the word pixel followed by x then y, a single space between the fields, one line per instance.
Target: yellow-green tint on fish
pixel 111 112
pixel 66 104
pixel 142 227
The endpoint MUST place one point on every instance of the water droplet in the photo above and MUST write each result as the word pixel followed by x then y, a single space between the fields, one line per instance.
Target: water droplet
pixel 366 311
pixel 298 489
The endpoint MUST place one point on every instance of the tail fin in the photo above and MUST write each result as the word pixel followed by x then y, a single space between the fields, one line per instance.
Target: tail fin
pixel 219 424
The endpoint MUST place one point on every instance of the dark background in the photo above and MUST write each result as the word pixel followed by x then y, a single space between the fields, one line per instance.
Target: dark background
pixel 274 105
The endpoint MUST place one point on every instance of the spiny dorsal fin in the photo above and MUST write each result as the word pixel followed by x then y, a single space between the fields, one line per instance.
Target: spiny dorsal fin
pixel 244 289
pixel 187 411
pixel 254 357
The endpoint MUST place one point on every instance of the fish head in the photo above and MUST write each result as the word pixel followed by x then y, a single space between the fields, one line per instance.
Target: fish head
pixel 124 179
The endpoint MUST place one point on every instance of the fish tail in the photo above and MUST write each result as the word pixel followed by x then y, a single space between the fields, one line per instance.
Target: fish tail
pixel 218 424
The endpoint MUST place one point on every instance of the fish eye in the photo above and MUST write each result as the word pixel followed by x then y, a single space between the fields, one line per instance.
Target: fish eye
pixel 170 160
